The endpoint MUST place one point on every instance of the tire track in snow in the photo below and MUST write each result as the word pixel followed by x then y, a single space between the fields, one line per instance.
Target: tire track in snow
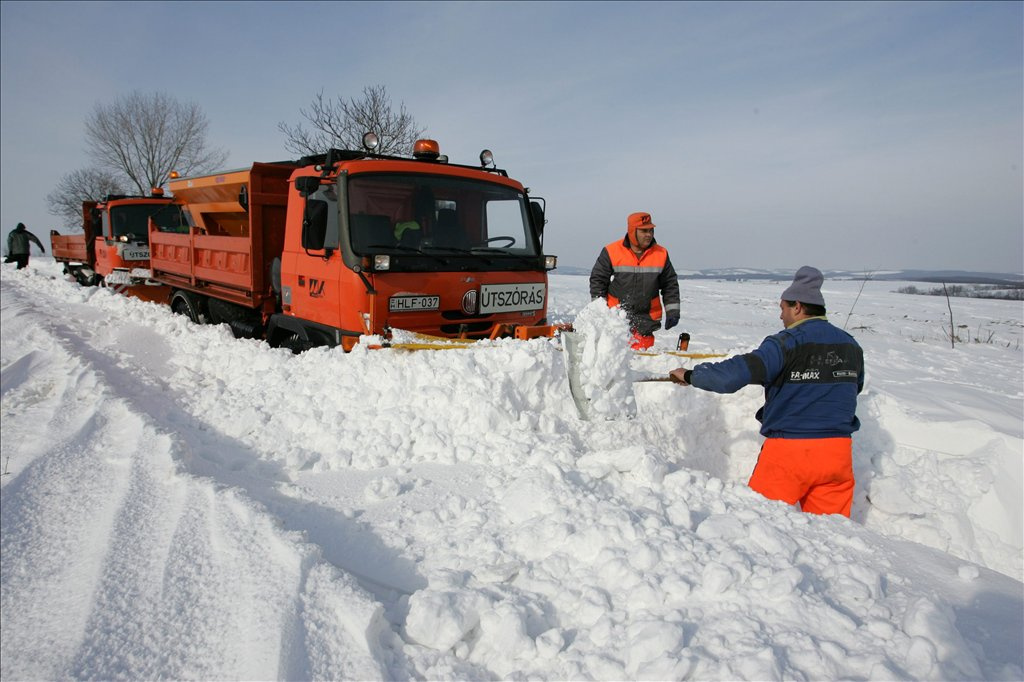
pixel 192 381
pixel 207 549
pixel 42 524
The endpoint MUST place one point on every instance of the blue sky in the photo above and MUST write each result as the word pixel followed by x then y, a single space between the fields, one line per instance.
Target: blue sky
pixel 843 135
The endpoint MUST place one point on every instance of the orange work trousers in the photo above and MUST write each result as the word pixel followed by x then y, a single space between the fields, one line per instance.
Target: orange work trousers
pixel 640 341
pixel 816 472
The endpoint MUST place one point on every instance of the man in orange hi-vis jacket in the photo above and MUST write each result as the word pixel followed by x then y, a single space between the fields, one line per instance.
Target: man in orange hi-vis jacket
pixel 636 275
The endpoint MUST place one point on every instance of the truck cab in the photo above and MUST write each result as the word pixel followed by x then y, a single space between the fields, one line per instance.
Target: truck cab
pixel 113 248
pixel 380 243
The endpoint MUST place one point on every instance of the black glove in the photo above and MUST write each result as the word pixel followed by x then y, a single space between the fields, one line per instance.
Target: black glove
pixel 671 321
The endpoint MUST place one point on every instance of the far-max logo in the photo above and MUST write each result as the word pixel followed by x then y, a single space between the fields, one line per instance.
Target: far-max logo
pixel 810 374
pixel 316 288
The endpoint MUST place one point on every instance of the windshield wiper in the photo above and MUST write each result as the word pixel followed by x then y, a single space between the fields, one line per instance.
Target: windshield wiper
pixel 502 252
pixel 461 252
pixel 408 249
pixel 392 247
pixel 447 249
pixel 496 249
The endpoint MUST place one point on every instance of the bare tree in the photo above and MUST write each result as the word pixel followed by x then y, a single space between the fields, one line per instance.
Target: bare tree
pixel 146 136
pixel 341 123
pixel 952 328
pixel 86 184
pixel 866 278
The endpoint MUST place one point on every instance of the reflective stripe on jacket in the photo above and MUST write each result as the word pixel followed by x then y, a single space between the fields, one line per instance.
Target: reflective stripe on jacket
pixel 634 283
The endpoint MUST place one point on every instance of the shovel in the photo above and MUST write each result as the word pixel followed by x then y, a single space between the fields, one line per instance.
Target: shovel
pixel 573 343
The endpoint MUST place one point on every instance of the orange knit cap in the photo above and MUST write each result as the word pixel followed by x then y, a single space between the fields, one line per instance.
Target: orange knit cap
pixel 638 221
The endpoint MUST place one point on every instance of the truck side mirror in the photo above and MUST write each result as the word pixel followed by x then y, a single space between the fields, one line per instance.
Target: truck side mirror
pixel 307 184
pixel 538 215
pixel 314 224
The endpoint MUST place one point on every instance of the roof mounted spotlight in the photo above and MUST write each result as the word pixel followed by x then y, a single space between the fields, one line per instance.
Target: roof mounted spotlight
pixel 426 150
pixel 486 158
pixel 370 141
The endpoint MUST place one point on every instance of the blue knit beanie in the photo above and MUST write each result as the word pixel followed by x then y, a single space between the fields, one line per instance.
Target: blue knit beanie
pixel 806 287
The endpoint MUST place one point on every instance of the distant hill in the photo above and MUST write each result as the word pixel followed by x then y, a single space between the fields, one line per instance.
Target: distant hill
pixel 949 276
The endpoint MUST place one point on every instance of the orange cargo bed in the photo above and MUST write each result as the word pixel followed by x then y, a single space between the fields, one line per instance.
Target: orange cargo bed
pixel 68 247
pixel 239 229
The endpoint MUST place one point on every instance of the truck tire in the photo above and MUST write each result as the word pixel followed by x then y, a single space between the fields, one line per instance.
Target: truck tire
pixel 86 278
pixel 245 323
pixel 291 335
pixel 295 343
pixel 190 305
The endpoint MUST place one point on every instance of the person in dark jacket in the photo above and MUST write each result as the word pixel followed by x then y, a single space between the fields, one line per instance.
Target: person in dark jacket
pixel 812 373
pixel 18 243
pixel 636 275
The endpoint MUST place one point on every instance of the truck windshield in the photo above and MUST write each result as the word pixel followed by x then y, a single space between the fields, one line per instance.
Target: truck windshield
pixel 132 220
pixel 434 214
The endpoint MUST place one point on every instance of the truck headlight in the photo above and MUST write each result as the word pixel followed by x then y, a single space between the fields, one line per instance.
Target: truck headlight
pixel 382 262
pixel 550 262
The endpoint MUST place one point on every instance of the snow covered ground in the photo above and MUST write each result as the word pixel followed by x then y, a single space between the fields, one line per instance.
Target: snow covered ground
pixel 180 504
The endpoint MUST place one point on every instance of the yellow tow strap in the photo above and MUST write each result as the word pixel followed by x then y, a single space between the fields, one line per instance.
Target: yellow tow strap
pixel 430 342
pixel 427 346
pixel 682 354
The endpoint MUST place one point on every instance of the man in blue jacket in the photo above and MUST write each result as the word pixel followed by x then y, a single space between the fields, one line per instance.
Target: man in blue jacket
pixel 811 372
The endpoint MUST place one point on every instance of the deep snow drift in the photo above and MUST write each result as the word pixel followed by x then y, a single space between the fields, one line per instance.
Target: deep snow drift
pixel 181 504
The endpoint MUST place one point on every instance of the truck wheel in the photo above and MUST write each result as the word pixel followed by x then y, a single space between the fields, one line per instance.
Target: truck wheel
pixel 190 305
pixel 290 341
pixel 245 323
pixel 86 279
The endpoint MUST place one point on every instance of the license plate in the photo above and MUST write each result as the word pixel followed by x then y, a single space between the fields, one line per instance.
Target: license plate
pixel 507 298
pixel 135 253
pixel 401 304
pixel 119 277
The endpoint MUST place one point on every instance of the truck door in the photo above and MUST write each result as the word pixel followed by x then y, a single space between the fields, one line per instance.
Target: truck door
pixel 314 271
pixel 105 246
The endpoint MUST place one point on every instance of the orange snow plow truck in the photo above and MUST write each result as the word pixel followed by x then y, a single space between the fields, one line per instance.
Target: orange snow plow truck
pixel 332 247
pixel 113 248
